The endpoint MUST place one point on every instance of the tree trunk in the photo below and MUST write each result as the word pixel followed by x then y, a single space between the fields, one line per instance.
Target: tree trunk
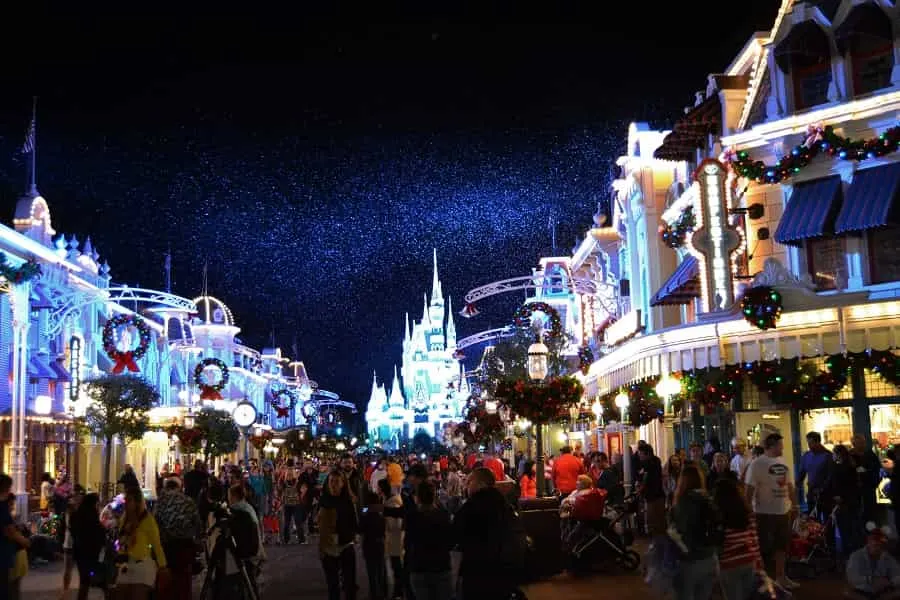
pixel 107 461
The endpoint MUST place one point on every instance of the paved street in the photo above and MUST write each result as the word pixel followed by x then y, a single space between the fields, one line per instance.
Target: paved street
pixel 294 572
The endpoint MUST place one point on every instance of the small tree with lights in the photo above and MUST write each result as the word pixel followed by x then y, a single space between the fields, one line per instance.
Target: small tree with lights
pixel 119 408
pixel 219 431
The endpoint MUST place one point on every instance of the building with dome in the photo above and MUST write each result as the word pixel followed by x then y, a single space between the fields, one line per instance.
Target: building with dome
pixel 430 388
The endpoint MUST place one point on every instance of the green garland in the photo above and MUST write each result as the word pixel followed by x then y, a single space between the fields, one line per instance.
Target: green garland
pixel 761 306
pixel 21 274
pixel 674 235
pixel 540 403
pixel 820 140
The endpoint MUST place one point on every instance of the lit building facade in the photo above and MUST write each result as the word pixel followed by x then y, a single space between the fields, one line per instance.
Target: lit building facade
pixel 784 174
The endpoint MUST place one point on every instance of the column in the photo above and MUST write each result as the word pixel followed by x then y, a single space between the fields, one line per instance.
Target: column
pixel 19 295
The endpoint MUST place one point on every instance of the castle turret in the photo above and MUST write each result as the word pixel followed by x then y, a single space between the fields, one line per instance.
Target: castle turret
pixel 451 327
pixel 436 310
pixel 407 336
pixel 426 320
pixel 396 397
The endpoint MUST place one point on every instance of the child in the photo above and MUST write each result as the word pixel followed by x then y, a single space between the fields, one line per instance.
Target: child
pixel 372 526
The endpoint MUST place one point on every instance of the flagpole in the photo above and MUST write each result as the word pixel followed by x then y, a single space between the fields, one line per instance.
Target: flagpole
pixel 34 146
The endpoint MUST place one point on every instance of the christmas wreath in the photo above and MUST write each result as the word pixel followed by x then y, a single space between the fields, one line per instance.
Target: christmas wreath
pixel 283 401
pixel 259 441
pixel 125 359
pixel 761 306
pixel 674 235
pixel 540 403
pixel 522 318
pixel 209 389
pixel 21 274
pixel 309 410
pixel 585 359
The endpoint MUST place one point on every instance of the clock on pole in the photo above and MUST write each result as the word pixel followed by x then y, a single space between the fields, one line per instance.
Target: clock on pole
pixel 244 414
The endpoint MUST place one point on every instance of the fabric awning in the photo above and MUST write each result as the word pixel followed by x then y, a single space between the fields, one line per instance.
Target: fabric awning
pixel 61 373
pixel 871 199
pixel 682 286
pixel 865 23
pixel 38 368
pixel 811 211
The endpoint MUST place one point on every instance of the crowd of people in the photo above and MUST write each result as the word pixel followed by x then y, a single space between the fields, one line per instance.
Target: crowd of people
pixel 721 520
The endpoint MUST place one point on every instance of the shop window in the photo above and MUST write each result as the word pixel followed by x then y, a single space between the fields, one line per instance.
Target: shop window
pixel 872 67
pixel 885 424
pixel 826 263
pixel 834 424
pixel 811 85
pixel 751 397
pixel 877 387
pixel 846 393
pixel 884 255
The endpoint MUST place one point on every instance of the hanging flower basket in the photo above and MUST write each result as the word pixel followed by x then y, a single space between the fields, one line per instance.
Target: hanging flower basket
pixel 540 403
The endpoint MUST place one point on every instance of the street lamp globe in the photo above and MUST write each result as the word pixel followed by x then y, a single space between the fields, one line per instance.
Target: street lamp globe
pixel 537 360
pixel 597 408
pixel 668 387
pixel 621 401
pixel 189 420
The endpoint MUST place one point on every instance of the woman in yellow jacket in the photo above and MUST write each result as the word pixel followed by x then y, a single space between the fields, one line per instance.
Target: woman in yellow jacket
pixel 140 553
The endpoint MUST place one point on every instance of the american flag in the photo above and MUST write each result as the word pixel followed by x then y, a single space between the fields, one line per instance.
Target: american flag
pixel 28 147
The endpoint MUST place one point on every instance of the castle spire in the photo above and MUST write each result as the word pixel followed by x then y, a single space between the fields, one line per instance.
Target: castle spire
pixel 374 395
pixel 396 398
pixel 426 320
pixel 436 294
pixel 407 335
pixel 451 325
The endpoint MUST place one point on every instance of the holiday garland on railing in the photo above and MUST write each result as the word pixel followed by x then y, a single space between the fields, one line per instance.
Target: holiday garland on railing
pixel 819 139
pixel 24 272
pixel 673 235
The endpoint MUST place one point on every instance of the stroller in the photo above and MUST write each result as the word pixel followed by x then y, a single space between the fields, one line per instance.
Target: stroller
pixel 812 551
pixel 607 540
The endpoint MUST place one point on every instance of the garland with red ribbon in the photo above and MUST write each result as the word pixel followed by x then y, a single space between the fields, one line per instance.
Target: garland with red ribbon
pixel 259 441
pixel 283 401
pixel 540 403
pixel 127 359
pixel 210 391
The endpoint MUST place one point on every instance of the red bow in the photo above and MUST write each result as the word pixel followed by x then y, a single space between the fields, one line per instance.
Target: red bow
pixel 125 360
pixel 282 411
pixel 209 393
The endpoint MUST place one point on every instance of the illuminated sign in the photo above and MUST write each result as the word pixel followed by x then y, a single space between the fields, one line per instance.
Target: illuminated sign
pixel 74 367
pixel 629 325
pixel 715 241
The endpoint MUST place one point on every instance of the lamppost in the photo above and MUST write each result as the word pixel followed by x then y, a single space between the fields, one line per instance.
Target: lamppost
pixel 621 401
pixel 537 371
pixel 597 409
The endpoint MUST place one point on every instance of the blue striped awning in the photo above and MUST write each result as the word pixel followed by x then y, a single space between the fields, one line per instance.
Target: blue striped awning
pixel 811 211
pixel 870 200
pixel 682 286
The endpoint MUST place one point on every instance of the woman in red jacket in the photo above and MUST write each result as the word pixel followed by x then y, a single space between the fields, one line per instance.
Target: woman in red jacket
pixel 528 481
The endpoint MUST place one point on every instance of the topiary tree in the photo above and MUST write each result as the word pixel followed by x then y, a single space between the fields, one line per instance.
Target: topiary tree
pixel 219 431
pixel 119 407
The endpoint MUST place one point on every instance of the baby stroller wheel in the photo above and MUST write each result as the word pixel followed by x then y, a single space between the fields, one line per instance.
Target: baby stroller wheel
pixel 630 561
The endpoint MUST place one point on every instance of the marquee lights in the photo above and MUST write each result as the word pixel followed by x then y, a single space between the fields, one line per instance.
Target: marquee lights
pixel 74 367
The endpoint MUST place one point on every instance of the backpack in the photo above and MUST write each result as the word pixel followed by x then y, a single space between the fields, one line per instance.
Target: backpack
pixel 245 534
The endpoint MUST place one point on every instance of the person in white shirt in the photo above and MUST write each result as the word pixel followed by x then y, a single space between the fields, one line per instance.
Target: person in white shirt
pixel 770 489
pixel 740 459
pixel 377 475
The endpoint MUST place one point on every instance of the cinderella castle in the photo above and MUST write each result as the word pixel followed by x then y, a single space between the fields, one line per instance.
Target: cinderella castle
pixel 431 388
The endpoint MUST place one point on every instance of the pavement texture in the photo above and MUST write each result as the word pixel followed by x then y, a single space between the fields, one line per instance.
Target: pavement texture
pixel 294 571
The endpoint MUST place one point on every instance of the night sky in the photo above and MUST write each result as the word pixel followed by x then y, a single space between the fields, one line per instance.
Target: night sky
pixel 314 163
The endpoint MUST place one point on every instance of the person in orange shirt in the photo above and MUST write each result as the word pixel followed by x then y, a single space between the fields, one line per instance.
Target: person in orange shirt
pixel 528 481
pixel 495 465
pixel 566 470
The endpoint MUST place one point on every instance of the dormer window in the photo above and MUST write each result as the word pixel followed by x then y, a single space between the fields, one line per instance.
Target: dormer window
pixel 805 57
pixel 866 38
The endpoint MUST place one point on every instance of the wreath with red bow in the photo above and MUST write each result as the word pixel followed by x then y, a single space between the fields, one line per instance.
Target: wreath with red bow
pixel 209 390
pixel 523 315
pixel 125 360
pixel 283 401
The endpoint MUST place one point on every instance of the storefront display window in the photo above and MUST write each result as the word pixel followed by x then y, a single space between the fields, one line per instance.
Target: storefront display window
pixel 885 419
pixel 834 424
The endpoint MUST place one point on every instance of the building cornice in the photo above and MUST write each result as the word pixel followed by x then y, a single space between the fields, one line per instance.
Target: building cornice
pixel 853 110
